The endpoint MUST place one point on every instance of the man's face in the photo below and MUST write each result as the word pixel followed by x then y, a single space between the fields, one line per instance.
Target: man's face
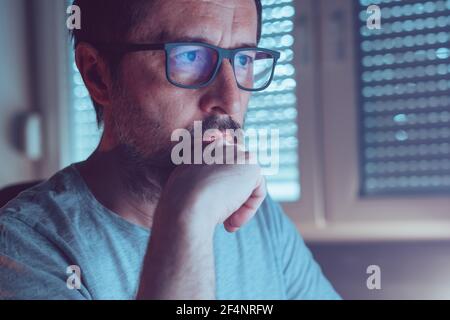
pixel 147 108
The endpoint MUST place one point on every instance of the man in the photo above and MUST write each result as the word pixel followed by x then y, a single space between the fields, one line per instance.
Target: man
pixel 127 223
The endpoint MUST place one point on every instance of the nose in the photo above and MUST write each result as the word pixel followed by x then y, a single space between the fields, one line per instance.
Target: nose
pixel 223 96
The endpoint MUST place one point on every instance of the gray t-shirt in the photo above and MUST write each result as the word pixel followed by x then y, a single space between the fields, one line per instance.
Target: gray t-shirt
pixel 59 223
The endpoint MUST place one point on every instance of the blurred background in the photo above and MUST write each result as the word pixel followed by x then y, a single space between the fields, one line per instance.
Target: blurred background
pixel 363 113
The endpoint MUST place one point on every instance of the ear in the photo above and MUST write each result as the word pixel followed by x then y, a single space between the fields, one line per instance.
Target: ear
pixel 95 73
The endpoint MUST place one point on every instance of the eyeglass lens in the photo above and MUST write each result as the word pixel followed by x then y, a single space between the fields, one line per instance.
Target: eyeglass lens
pixel 194 65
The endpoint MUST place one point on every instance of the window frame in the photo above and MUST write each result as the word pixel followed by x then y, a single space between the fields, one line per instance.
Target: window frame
pixel 348 216
pixel 308 213
pixel 52 83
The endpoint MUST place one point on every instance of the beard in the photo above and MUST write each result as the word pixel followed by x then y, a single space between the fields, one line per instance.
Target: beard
pixel 144 146
pixel 143 151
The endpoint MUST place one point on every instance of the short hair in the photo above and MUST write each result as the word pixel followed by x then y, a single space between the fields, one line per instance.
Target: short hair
pixel 109 21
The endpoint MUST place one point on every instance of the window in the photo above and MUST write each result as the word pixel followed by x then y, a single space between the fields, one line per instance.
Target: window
pixel 275 108
pixel 405 98
pixel 356 106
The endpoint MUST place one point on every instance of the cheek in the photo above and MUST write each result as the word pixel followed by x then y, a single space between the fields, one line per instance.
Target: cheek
pixel 180 108
pixel 160 101
pixel 142 78
pixel 245 98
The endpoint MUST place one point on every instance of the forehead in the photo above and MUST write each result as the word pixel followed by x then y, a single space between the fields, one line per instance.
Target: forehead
pixel 230 23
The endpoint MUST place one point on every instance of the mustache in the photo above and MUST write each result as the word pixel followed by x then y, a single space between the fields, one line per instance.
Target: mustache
pixel 221 123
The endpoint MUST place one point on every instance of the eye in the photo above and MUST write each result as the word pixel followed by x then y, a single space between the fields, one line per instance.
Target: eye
pixel 244 60
pixel 188 56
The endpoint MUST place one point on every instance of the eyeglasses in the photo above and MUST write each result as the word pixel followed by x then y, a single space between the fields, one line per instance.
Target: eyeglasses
pixel 193 65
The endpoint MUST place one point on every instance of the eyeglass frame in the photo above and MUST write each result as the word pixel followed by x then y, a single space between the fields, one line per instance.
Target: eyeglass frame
pixel 222 54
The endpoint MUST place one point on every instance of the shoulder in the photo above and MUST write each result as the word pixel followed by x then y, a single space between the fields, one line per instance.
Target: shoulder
pixel 43 205
pixel 35 228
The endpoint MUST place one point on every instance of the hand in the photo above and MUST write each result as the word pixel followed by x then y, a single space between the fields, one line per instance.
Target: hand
pixel 212 194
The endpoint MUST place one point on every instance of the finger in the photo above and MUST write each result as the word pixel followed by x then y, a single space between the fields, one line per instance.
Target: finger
pixel 246 212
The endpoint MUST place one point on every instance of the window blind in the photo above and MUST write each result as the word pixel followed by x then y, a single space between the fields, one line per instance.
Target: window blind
pixel 405 98
pixel 275 108
pixel 85 134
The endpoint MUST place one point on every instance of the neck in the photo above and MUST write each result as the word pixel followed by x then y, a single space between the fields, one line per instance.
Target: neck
pixel 123 184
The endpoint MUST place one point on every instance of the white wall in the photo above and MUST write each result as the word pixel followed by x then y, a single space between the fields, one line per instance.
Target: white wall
pixel 15 93
pixel 409 269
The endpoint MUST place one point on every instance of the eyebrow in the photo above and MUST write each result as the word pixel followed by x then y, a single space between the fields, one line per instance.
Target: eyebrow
pixel 166 37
